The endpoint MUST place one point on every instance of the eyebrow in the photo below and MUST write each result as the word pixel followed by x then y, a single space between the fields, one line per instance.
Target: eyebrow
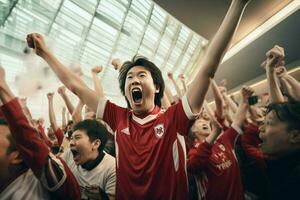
pixel 139 72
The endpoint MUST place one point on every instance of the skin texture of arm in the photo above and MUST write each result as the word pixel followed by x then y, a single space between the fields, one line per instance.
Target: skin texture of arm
pixel 214 54
pixel 66 76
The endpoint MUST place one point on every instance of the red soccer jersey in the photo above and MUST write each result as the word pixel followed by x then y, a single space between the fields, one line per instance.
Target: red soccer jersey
pixel 216 168
pixel 150 152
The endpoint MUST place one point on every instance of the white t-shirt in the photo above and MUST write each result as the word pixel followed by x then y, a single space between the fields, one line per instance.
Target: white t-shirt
pixel 25 187
pixel 103 175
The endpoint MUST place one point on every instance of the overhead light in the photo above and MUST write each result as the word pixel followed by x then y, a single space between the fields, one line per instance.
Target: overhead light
pixel 270 23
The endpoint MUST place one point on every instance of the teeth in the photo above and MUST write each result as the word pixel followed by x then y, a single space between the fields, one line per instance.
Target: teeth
pixel 136 90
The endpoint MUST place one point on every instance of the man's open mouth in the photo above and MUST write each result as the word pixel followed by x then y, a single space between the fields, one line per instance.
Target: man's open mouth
pixel 75 154
pixel 137 95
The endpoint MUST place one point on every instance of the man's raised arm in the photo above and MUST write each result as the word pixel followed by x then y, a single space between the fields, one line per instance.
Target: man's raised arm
pixel 214 54
pixel 66 76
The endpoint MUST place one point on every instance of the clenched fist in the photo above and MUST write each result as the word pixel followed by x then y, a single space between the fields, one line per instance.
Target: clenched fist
pixel 36 42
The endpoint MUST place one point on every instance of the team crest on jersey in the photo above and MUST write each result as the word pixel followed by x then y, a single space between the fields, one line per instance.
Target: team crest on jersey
pixel 159 130
pixel 221 146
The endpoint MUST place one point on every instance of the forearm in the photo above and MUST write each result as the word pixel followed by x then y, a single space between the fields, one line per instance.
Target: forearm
pixel 292 86
pixel 179 95
pixel 230 103
pixel 168 94
pixel 184 86
pixel 240 115
pixel 97 86
pixel 208 109
pixel 218 98
pixel 64 123
pixel 165 102
pixel 68 103
pixel 77 114
pixel 209 64
pixel 274 89
pixel 72 81
pixel 52 117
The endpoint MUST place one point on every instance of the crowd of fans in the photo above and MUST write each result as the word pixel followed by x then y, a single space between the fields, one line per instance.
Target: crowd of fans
pixel 161 146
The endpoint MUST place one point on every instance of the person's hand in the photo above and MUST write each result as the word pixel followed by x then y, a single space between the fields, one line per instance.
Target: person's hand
pixel 275 57
pixel 36 41
pixel 222 89
pixel 246 92
pixel 50 95
pixel 281 71
pixel 223 83
pixel 116 62
pixel 97 69
pixel 170 75
pixel 61 90
pixel 181 77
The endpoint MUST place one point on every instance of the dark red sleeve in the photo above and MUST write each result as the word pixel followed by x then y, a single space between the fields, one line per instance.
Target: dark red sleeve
pixel 44 137
pixel 229 137
pixel 250 141
pixel 59 135
pixel 198 157
pixel 37 155
pixel 33 151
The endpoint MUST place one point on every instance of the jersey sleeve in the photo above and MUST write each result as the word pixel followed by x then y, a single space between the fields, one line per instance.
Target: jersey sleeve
pixel 59 136
pixel 182 116
pixel 198 157
pixel 110 187
pixel 43 136
pixel 52 172
pixel 110 113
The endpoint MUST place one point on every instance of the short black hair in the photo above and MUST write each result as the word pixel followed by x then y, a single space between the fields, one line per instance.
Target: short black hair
pixel 94 130
pixel 288 112
pixel 153 69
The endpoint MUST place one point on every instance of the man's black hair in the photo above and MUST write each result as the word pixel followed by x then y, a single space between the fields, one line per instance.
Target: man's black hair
pixel 95 130
pixel 151 67
pixel 288 112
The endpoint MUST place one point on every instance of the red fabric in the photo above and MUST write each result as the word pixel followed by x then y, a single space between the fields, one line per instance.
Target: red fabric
pixel 145 153
pixel 250 141
pixel 216 168
pixel 43 135
pixel 60 136
pixel 34 153
pixel 1 115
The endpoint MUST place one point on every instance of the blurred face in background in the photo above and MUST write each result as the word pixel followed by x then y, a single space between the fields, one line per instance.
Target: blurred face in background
pixel 201 128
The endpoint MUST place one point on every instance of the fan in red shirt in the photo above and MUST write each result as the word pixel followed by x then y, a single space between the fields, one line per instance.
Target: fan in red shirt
pixel 28 170
pixel 212 160
pixel 149 149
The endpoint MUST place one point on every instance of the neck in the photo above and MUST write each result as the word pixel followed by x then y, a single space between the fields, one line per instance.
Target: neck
pixel 91 164
pixel 145 112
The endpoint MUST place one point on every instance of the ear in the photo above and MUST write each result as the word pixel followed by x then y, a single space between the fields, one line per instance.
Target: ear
pixel 96 144
pixel 15 158
pixel 294 137
pixel 157 89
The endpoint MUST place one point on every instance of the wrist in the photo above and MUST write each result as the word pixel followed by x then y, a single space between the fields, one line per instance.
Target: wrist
pixel 44 54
